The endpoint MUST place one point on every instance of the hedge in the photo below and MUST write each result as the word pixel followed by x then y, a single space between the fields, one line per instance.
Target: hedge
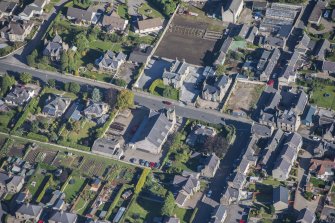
pixel 194 213
pixel 101 131
pixel 141 181
pixel 73 145
pixel 29 109
pixel 115 201
pixel 37 137
pixel 154 85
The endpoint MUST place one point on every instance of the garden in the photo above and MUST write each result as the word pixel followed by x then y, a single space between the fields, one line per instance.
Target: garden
pixel 73 187
pixel 158 88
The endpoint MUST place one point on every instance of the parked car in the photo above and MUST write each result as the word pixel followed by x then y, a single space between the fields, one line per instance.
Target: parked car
pixel 209 193
pixel 166 102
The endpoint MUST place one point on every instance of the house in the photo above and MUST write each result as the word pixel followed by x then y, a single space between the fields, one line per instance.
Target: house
pixel 223 51
pixel 253 31
pixel 289 74
pixel 211 165
pixel 172 220
pixel 176 74
pixel 219 215
pixel 243 32
pixel 7 8
pixel 29 212
pixel 303 45
pixel 316 15
pixel 287 156
pixel 15 184
pixel 216 88
pixel 231 10
pixel 111 61
pixel 306 216
pixel 33 9
pixel 108 147
pixel 3 181
pixel 230 196
pixel 19 95
pixel 56 106
pixel 321 49
pixel 328 67
pixel 74 111
pixel 149 26
pixel 119 214
pixel 114 23
pixel 261 131
pixel 238 181
pixel 55 48
pixel 273 42
pixel 199 134
pixel 63 217
pixel 82 17
pixel 308 116
pixel 280 198
pixel 270 65
pixel 56 196
pixel 152 133
pixel 21 197
pixel 188 186
pixel 95 184
pixel 95 109
pixel 16 31
pixel 322 169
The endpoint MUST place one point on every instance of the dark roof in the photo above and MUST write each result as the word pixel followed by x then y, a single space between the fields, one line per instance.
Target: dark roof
pixel 63 217
pixel 317 11
pixel 80 14
pixel 328 66
pixel 114 22
pixel 149 23
pixel 280 194
pixel 30 209
pixel 306 216
pixel 140 54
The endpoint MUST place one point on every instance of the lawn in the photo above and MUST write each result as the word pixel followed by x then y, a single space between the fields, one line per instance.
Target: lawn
pixel 81 206
pixel 58 92
pixel 317 182
pixel 122 11
pixel 183 214
pixel 160 88
pixel 324 96
pixel 82 133
pixel 38 178
pixel 271 182
pixel 72 190
pixel 105 45
pixel 146 10
pixel 5 118
pixel 145 210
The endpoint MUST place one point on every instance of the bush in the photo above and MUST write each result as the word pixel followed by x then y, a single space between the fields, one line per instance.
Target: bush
pixel 141 181
pixel 100 131
pixel 73 145
pixel 46 186
pixel 29 109
pixel 115 201
pixel 37 137
pixel 154 84
pixel 120 82
pixel 194 213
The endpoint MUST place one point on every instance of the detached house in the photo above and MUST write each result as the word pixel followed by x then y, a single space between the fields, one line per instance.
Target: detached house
pixel 29 212
pixel 188 185
pixel 33 9
pixel 111 61
pixel 56 106
pixel 55 48
pixel 82 17
pixel 149 26
pixel 7 8
pixel 322 169
pixel 153 132
pixel 96 109
pixel 16 31
pixel 231 10
pixel 114 23
pixel 19 95
pixel 176 75
pixel 217 89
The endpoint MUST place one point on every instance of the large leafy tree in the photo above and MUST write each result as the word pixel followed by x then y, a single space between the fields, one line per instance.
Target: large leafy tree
pixel 125 99
pixel 6 83
pixel 74 87
pixel 81 42
pixel 169 204
pixel 96 95
pixel 25 78
pixel 217 144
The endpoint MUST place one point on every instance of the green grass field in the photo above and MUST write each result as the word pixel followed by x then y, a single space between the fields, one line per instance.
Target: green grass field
pixel 105 45
pixel 84 131
pixel 72 190
pixel 145 210
pixel 36 180
pixel 183 214
pixel 81 206
pixel 5 118
pixel 146 10
pixel 324 96
pixel 122 11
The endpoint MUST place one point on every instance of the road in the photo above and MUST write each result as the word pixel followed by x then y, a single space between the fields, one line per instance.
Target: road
pixel 142 98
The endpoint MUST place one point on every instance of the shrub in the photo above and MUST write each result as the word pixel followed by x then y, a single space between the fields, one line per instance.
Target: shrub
pixel 141 181
pixel 37 137
pixel 115 201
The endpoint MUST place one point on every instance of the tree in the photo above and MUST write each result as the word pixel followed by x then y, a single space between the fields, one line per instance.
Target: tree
pixel 25 78
pixel 220 69
pixel 81 42
pixel 167 92
pixel 74 87
pixel 6 83
pixel 169 204
pixel 31 59
pixel 125 99
pixel 52 83
pixel 217 144
pixel 96 95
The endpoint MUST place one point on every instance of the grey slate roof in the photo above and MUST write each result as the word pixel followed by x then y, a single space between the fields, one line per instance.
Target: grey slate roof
pixel 280 194
pixel 30 209
pixel 219 214
pixel 149 23
pixel 306 216
pixel 19 95
pixel 3 178
pixel 63 217
pixel 328 66
pixel 114 22
pixel 79 14
pixel 232 5
pixel 56 105
pixel 261 130
pixel 140 54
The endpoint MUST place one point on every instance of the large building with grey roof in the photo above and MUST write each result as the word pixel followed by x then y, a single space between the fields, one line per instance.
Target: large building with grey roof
pixel 152 133
pixel 231 10
pixel 177 73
